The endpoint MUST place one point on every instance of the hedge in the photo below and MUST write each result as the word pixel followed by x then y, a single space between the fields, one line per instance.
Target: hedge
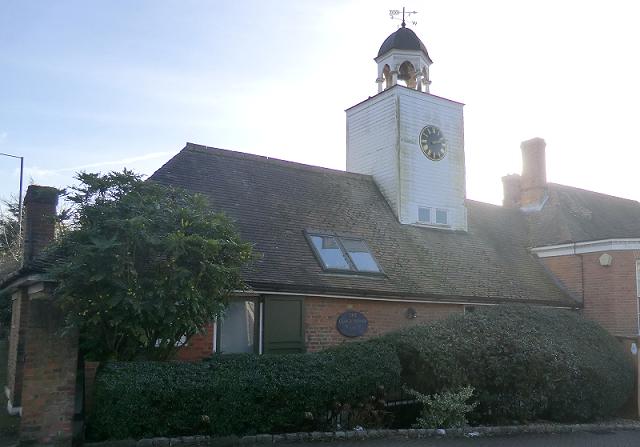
pixel 237 394
pixel 525 363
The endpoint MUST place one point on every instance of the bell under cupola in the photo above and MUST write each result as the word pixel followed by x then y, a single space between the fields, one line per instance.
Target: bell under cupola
pixel 410 141
pixel 403 57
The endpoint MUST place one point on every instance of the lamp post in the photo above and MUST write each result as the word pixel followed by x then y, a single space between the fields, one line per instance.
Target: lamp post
pixel 20 194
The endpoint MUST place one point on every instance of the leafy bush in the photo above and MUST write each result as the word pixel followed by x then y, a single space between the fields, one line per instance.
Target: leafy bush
pixel 525 363
pixel 142 265
pixel 448 409
pixel 238 394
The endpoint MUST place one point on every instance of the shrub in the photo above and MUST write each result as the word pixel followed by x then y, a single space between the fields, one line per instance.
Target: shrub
pixel 238 394
pixel 525 363
pixel 445 410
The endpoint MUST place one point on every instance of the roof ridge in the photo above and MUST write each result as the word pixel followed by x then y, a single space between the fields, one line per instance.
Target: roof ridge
pixel 594 192
pixel 209 150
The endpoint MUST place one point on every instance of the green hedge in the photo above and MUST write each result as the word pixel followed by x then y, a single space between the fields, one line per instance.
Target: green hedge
pixel 525 363
pixel 237 394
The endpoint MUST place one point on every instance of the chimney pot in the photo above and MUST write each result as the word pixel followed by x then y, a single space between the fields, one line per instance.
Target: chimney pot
pixel 534 172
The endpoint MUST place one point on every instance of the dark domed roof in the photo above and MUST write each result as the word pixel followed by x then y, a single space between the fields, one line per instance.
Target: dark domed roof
pixel 403 39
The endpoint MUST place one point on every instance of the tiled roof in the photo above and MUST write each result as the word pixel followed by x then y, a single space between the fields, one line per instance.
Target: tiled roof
pixel 273 202
pixel 577 215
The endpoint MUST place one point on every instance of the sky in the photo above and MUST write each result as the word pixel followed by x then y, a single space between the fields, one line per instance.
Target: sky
pixel 105 84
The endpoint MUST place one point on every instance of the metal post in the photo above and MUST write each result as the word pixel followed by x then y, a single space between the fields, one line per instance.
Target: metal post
pixel 20 204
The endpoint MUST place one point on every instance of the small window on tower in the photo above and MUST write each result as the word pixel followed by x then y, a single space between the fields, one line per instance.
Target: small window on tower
pixel 424 215
pixel 442 217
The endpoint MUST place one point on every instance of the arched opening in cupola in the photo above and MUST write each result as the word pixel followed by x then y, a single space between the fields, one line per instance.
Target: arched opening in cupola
pixel 386 73
pixel 407 74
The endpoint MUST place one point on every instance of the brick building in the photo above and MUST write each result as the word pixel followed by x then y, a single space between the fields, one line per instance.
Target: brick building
pixel 589 241
pixel 343 256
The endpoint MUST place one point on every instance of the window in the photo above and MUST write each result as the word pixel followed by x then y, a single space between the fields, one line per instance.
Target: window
pixel 442 217
pixel 424 215
pixel 343 253
pixel 237 328
pixel 330 252
pixel 638 293
pixel 359 254
pixel 638 278
pixel 283 325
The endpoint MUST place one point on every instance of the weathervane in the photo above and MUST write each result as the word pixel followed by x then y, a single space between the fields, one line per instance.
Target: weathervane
pixel 396 12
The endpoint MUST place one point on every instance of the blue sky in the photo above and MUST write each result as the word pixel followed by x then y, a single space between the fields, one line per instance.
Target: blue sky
pixel 100 85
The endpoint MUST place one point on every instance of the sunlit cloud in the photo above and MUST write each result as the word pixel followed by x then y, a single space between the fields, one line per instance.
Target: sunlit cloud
pixel 36 171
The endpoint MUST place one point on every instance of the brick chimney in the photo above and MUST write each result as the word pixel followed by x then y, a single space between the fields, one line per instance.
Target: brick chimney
pixel 39 219
pixel 534 173
pixel 511 191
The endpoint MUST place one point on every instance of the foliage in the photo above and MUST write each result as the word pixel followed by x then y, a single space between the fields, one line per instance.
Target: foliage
pixel 448 409
pixel 238 394
pixel 5 313
pixel 525 363
pixel 10 240
pixel 142 265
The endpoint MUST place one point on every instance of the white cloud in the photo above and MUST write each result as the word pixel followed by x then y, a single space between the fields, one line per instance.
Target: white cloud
pixel 64 175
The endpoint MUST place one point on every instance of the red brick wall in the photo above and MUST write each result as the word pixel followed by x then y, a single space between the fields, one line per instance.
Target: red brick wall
pixel 320 318
pixel 568 269
pixel 321 315
pixel 609 292
pixel 50 367
pixel 198 347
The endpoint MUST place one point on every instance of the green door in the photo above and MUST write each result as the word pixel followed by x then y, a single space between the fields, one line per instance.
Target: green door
pixel 283 325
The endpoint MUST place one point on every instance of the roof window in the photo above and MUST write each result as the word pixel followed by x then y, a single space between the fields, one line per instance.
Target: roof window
pixel 343 253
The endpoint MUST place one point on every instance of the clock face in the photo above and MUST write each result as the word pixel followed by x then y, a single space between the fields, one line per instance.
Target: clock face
pixel 432 143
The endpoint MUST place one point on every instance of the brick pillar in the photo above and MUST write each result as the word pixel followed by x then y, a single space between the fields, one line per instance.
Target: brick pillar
pixel 39 225
pixel 50 369
pixel 15 360
pixel 40 219
pixel 534 172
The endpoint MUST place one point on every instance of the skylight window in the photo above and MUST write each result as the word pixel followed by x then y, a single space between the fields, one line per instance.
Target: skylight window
pixel 330 252
pixel 343 253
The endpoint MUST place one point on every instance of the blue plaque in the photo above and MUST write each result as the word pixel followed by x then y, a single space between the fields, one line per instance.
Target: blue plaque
pixel 352 324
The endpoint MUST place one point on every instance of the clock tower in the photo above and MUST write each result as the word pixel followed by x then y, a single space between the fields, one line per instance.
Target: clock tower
pixel 410 141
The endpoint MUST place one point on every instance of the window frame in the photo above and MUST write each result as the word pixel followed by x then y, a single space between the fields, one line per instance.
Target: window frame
pixel 353 269
pixel 638 278
pixel 428 210
pixel 257 327
pixel 446 217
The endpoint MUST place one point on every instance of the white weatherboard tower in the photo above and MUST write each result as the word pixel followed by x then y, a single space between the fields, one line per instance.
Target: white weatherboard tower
pixel 410 141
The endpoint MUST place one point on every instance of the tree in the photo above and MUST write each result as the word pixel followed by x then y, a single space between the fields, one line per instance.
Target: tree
pixel 142 265
pixel 10 240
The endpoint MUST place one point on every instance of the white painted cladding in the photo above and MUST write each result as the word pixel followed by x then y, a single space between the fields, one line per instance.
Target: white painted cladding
pixel 382 141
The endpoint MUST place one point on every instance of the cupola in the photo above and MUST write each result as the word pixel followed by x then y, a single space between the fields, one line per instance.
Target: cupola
pixel 403 57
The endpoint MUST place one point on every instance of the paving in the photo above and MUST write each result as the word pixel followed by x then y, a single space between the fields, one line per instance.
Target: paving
pixel 600 438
